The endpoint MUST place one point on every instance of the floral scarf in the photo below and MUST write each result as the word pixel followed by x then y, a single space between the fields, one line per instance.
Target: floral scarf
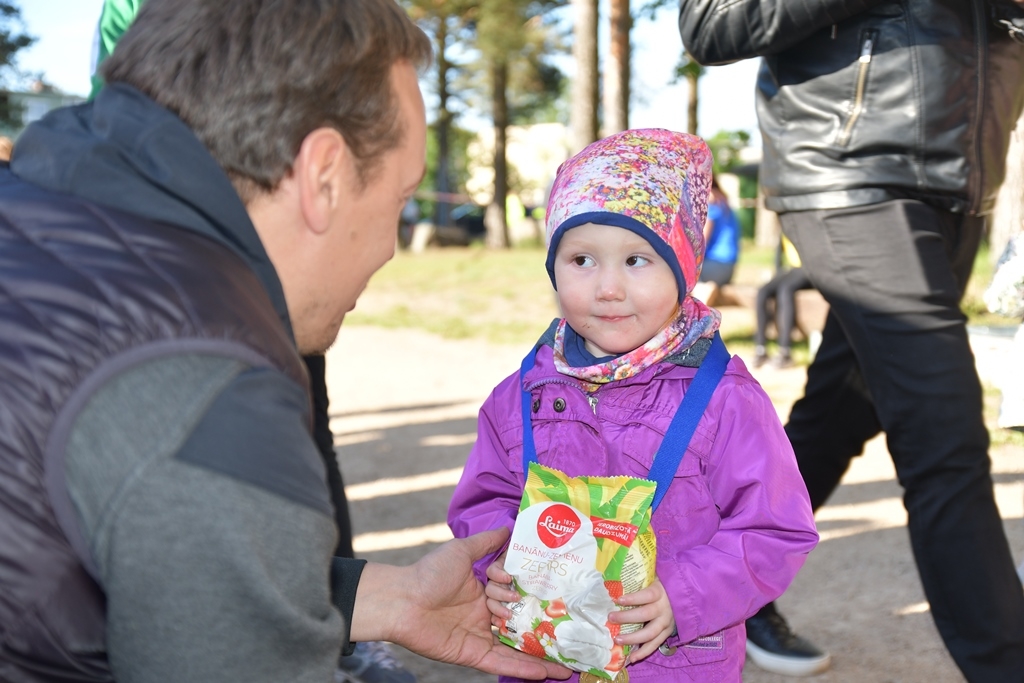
pixel 695 320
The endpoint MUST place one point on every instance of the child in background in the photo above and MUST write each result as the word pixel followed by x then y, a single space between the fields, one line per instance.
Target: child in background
pixel 625 246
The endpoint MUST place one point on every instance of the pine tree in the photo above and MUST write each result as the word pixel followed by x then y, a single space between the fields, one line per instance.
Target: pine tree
pixel 12 39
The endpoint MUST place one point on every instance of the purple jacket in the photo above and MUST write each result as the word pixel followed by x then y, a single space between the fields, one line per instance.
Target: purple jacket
pixel 733 529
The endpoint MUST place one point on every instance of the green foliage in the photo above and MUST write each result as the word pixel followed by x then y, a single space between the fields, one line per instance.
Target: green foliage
pixel 537 87
pixel 687 68
pixel 650 8
pixel 449 23
pixel 747 215
pixel 726 146
pixel 499 295
pixel 993 398
pixel 481 43
pixel 11 113
pixel 524 35
pixel 12 39
pixel 458 163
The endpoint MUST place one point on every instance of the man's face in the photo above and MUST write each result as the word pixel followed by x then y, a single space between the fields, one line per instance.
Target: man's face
pixel 362 238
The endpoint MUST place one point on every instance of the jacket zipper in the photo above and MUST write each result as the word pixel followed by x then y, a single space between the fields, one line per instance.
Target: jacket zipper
pixel 542 382
pixel 866 50
pixel 591 398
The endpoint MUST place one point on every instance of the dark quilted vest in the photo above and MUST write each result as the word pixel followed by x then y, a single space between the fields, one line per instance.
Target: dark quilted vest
pixel 86 291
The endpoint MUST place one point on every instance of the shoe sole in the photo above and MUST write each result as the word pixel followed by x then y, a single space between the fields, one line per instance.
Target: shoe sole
pixel 787 666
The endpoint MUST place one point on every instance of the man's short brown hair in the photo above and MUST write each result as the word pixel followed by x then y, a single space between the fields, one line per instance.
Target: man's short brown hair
pixel 252 78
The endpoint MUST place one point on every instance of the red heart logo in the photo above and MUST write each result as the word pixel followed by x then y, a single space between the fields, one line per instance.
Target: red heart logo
pixel 557 525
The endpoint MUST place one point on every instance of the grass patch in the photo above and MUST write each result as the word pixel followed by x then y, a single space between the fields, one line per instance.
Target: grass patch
pixel 502 296
pixel 505 296
pixel 999 436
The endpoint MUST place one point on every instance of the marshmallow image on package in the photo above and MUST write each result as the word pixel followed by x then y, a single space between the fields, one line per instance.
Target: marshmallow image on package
pixel 578 543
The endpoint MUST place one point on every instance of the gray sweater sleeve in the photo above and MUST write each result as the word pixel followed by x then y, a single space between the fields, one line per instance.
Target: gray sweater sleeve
pixel 203 502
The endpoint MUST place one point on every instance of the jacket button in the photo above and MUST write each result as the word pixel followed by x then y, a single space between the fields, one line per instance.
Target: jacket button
pixel 666 650
pixel 559 405
pixel 536 405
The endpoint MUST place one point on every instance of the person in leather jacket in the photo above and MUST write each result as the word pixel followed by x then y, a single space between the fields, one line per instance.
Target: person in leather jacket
pixel 885 127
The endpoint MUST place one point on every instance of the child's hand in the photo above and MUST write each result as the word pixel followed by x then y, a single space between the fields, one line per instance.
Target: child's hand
pixel 650 608
pixel 499 590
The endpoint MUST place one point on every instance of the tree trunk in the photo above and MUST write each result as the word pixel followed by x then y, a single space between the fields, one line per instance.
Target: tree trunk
pixel 692 77
pixel 583 115
pixel 617 70
pixel 496 220
pixel 442 181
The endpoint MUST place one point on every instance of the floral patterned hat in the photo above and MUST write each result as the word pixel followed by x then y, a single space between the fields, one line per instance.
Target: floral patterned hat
pixel 651 181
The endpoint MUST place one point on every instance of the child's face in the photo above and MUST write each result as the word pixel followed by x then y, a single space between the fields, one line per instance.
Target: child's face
pixel 613 288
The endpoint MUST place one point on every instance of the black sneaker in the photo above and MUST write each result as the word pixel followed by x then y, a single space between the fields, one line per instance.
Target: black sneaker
pixel 372 662
pixel 773 647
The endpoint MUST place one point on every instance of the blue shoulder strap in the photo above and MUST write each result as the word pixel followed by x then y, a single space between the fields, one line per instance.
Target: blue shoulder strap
pixel 680 431
pixel 529 449
pixel 688 414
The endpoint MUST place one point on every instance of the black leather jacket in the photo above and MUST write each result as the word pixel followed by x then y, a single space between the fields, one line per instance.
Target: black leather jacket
pixel 861 101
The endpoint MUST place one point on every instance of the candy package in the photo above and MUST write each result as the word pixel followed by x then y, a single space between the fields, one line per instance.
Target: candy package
pixel 578 543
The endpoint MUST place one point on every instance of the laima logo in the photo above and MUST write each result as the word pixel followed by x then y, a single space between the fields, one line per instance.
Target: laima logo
pixel 557 525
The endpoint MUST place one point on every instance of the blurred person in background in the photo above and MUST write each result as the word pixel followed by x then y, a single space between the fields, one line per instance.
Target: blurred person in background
pixel 722 236
pixel 885 128
pixel 115 18
pixel 779 294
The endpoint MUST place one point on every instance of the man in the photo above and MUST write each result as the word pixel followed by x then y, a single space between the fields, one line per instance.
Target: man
pixel 885 129
pixel 168 252
pixel 370 660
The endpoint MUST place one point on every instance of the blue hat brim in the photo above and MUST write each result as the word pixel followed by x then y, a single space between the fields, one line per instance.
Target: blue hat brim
pixel 660 246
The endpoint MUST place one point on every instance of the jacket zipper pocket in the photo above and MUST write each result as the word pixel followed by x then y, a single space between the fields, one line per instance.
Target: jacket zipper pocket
pixel 592 400
pixel 867 48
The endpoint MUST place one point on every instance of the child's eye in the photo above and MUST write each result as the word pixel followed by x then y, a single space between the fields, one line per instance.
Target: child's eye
pixel 635 260
pixel 583 261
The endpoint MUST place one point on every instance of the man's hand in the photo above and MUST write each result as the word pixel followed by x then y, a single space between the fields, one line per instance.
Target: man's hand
pixel 437 609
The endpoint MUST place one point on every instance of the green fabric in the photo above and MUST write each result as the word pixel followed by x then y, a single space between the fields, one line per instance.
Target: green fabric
pixel 115 18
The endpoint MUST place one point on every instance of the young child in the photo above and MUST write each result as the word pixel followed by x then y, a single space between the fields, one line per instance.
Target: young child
pixel 625 246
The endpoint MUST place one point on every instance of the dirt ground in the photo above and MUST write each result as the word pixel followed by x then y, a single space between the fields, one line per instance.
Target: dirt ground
pixel 403 433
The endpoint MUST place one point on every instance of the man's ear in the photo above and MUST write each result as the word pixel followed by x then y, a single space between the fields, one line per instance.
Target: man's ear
pixel 322 167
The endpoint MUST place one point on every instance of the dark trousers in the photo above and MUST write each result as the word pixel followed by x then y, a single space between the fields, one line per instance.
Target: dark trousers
pixel 895 357
pixel 317 367
pixel 782 288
